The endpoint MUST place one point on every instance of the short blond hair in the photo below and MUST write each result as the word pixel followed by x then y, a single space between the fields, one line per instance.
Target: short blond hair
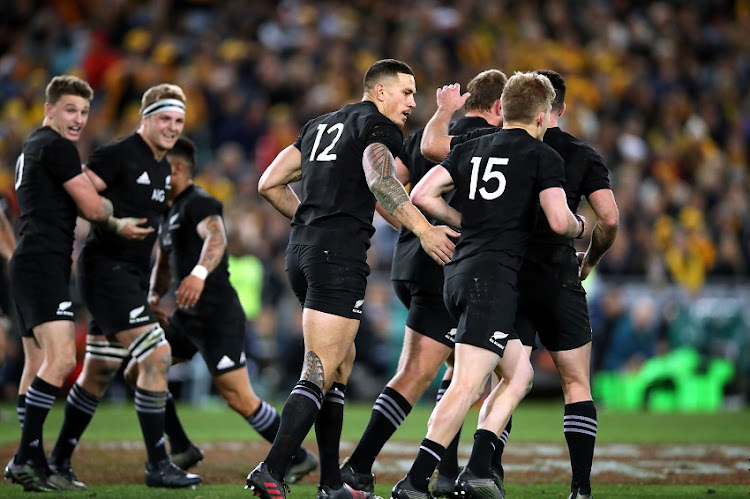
pixel 525 96
pixel 161 92
pixel 67 85
pixel 485 89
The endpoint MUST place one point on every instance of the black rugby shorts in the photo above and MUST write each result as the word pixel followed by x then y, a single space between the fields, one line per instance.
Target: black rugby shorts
pixel 219 337
pixel 427 314
pixel 326 281
pixel 40 286
pixel 557 311
pixel 115 293
pixel 485 304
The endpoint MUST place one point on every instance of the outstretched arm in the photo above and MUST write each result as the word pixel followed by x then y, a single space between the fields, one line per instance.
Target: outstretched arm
pixel 427 195
pixel 436 143
pixel 379 167
pixel 274 183
pixel 211 230
pixel 605 230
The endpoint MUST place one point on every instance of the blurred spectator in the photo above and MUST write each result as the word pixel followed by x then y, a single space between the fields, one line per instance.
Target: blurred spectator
pixel 634 338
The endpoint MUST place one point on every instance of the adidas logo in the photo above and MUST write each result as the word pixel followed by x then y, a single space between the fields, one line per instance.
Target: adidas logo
pixel 497 338
pixel 225 363
pixel 143 179
pixel 134 319
pixel 62 308
pixel 358 306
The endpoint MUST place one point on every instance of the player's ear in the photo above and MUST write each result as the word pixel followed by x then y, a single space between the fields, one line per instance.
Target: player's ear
pixel 562 110
pixel 380 91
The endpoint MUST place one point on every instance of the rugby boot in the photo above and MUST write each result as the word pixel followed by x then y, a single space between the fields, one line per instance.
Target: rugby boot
pixel 168 475
pixel 358 481
pixel 187 458
pixel 470 485
pixel 64 478
pixel 405 490
pixel 264 485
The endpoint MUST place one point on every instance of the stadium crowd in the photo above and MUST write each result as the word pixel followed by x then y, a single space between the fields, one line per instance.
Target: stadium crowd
pixel 658 88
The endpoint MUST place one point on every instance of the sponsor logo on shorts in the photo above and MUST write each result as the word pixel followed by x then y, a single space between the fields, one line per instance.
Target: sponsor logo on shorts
pixel 134 315
pixel 358 306
pixel 143 179
pixel 496 339
pixel 225 363
pixel 63 308
pixel 451 335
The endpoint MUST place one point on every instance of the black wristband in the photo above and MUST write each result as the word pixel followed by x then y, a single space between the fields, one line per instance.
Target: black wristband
pixel 583 226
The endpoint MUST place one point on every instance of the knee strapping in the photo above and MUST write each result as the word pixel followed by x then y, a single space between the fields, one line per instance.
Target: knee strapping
pixel 106 350
pixel 146 343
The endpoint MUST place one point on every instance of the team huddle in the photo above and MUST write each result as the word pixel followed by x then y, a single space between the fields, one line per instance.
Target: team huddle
pixel 484 263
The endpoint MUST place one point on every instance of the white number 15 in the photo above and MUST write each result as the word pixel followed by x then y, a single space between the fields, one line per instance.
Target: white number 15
pixel 486 177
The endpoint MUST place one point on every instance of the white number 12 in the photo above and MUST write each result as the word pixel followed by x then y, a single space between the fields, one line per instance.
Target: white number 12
pixel 326 154
pixel 486 177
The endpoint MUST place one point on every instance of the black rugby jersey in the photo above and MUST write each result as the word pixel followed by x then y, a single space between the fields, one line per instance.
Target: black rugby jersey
pixel 498 178
pixel 48 213
pixel 180 241
pixel 410 261
pixel 138 186
pixel 337 206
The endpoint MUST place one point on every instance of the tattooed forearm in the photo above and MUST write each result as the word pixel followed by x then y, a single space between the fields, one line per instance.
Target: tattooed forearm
pixel 215 241
pixel 380 168
pixel 312 369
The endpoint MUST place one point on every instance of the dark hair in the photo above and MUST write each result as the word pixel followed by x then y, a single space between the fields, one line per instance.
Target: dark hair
pixel 485 89
pixel 384 68
pixel 67 85
pixel 184 148
pixel 558 83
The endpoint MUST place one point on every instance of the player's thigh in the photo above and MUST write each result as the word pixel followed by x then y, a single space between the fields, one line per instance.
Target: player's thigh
pixel 40 287
pixel 115 293
pixel 573 365
pixel 326 281
pixel 328 341
pixel 421 355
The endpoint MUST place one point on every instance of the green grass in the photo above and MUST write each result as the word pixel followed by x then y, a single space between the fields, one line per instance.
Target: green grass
pixel 532 422
pixel 307 491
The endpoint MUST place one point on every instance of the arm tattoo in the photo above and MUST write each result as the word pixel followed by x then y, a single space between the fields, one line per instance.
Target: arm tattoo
pixel 312 369
pixel 380 168
pixel 215 243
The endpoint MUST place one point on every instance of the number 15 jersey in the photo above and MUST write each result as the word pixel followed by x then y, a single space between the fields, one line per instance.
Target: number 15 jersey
pixel 498 178
pixel 337 206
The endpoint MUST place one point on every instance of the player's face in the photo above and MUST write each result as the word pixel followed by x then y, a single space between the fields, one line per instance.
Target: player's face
pixel 68 116
pixel 398 98
pixel 162 130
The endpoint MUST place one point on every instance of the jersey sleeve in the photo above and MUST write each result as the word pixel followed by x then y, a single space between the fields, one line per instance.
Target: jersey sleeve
pixel 388 134
pixel 62 160
pixel 202 207
pixel 597 175
pixel 298 142
pixel 460 139
pixel 449 163
pixel 105 163
pixel 408 146
pixel 551 171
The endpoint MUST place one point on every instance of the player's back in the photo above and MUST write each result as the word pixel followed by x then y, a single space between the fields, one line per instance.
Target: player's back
pixel 337 206
pixel 48 213
pixel 498 178
pixel 410 261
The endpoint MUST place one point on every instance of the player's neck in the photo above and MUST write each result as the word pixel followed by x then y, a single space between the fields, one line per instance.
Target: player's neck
pixel 158 152
pixel 180 187
pixel 530 129
pixel 490 118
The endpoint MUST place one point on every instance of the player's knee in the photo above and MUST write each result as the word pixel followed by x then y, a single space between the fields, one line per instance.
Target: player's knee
pixel 151 348
pixel 131 373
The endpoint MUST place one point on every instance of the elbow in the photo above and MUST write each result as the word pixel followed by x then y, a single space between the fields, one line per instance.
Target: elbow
pixel 263 187
pixel 417 198
pixel 610 222
pixel 559 225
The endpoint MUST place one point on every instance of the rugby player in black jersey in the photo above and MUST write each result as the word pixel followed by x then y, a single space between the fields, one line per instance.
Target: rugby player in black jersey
pixel 499 179
pixel 552 301
pixel 418 282
pixel 113 278
pixel 209 318
pixel 345 161
pixel 51 190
